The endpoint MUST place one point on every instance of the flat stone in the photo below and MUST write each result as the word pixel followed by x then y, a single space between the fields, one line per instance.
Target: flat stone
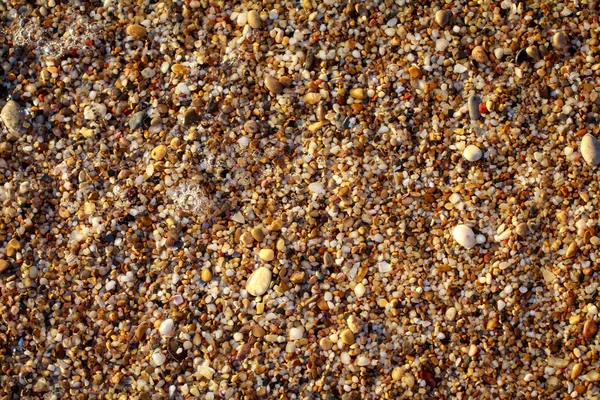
pixel 13 116
pixel 259 281
pixel 273 85
pixel 590 150
pixel 473 104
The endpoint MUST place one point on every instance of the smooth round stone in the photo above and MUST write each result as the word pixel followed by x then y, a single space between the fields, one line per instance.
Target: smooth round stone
pixel 464 236
pixel 266 255
pixel 159 152
pixel 360 290
pixel 473 104
pixel 363 361
pixel 12 116
pixel 480 55
pixel 136 120
pixel 347 337
pixel 472 153
pixel 316 187
pixel 258 234
pixel 159 358
pixel 325 343
pixel 442 17
pixel 167 327
pixel 451 313
pixel 358 93
pixel 273 85
pixel 296 333
pixel 355 324
pixel 251 126
pixel 259 281
pixel 254 19
pixel 590 150
pixel 312 98
pixel 560 41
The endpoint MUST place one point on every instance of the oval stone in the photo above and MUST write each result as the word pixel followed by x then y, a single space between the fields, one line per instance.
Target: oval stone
pixel 259 281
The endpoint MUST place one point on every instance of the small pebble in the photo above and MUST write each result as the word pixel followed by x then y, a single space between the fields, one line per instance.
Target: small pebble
pixel 473 104
pixel 136 31
pixel 560 41
pixel 159 152
pixel 254 19
pixel 472 153
pixel 296 333
pixel 273 85
pixel 12 116
pixel 480 55
pixel 347 337
pixel 442 17
pixel 259 281
pixel 590 329
pixel 464 236
pixel 167 328
pixel 590 150
pixel 266 255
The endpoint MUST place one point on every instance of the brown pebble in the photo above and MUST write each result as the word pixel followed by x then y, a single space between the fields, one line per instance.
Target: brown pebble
pixel 590 329
pixel 273 85
pixel 4 265
pixel 442 17
pixel 480 55
pixel 298 277
pixel 258 234
pixel 140 332
pixel 560 41
pixel 571 250
pixel 347 337
pixel 258 331
pixel 415 72
pixel 358 93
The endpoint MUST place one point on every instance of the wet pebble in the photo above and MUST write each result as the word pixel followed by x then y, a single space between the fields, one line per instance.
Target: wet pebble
pixel 560 41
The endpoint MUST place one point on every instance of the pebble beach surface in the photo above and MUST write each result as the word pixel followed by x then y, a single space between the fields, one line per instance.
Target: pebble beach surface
pixel 299 200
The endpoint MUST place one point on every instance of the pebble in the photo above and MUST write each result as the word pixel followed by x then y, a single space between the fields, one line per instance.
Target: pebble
pixel 4 265
pixel 522 229
pixel 13 116
pixel 576 371
pixel 206 275
pixel 450 313
pixel 136 120
pixel 355 324
pixel 259 281
pixel 363 361
pixel 360 290
pixel 443 17
pixel 480 55
pixel 296 333
pixel 159 152
pixel 572 250
pixel 167 327
pixel 590 150
pixel 312 98
pixel 266 254
pixel 136 31
pixel 254 19
pixel 191 117
pixel 347 337
pixel 590 329
pixel 159 358
pixel 560 41
pixel 251 126
pixel 358 93
pixel 464 236
pixel 258 234
pixel 273 85
pixel 325 344
pixel 473 104
pixel 472 153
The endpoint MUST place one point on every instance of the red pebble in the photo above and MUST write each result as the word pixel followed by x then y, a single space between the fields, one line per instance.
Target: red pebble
pixel 482 108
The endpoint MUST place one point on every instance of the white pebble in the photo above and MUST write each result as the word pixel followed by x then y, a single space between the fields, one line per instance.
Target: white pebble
pixel 472 153
pixel 464 236
pixel 360 290
pixel 167 327
pixel 296 333
pixel 159 358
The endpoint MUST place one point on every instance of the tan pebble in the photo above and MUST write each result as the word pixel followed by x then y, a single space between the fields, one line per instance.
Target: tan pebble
pixel 522 229
pixel 560 41
pixel 136 31
pixel 140 332
pixel 347 337
pixel 415 72
pixel 266 255
pixel 258 234
pixel 258 331
pixel 312 98
pixel 14 244
pixel 592 376
pixel 175 143
pixel 576 371
pixel 286 81
pixel 328 259
pixel 276 225
pixel 247 239
pixel 251 126
pixel 254 19
pixel 322 304
pixel 280 244
pixel 590 150
pixel 306 4
pixel 571 250
pixel 179 69
pixel 590 329
pixel 397 373
pixel 273 85
pixel 206 275
pixel 325 344
pixel 315 126
pixel 258 283
pixel 358 93
pixel 4 265
pixel 298 277
pixel 159 152
pixel 480 55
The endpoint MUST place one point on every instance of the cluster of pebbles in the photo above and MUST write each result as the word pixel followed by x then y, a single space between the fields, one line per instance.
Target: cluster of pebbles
pixel 297 200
